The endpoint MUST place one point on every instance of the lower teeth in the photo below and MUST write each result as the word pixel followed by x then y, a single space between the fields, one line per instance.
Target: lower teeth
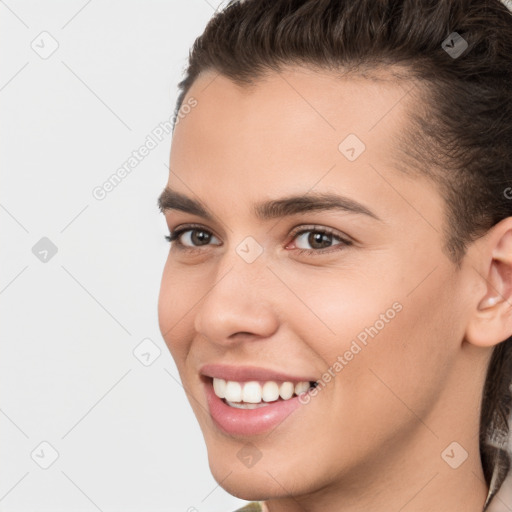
pixel 246 405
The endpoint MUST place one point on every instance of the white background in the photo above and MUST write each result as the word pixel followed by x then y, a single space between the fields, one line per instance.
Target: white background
pixel 125 434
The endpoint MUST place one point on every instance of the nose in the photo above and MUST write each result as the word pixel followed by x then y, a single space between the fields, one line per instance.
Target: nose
pixel 238 304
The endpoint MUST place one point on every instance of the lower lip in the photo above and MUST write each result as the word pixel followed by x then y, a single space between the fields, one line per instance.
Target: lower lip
pixel 248 422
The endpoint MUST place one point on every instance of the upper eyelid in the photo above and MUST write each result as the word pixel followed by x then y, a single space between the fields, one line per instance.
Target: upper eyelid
pixel 294 232
pixel 300 230
pixel 191 227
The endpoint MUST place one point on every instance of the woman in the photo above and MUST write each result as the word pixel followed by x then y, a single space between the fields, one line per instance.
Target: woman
pixel 337 296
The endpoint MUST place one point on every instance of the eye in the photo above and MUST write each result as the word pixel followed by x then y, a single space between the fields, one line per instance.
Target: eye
pixel 190 237
pixel 320 239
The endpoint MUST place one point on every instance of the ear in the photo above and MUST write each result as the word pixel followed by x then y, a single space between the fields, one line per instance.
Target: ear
pixel 491 257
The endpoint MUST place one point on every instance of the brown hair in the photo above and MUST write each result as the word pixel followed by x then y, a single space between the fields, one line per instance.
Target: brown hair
pixel 461 126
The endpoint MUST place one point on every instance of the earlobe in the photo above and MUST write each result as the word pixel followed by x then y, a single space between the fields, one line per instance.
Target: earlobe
pixel 491 320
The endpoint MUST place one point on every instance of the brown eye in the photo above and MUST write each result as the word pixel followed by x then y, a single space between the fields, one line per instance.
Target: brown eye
pixel 199 237
pixel 319 240
pixel 191 237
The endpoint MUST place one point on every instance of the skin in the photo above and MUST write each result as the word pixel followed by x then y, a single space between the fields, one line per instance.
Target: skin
pixel 372 438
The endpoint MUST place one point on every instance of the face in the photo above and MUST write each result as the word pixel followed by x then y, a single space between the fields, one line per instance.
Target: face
pixel 353 292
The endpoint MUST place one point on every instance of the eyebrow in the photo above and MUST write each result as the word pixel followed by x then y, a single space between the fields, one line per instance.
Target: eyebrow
pixel 275 208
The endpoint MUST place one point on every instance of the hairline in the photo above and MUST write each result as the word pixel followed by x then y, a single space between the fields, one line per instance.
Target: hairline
pixel 411 163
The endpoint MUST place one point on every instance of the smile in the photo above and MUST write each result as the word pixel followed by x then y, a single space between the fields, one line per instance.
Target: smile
pixel 254 394
pixel 246 401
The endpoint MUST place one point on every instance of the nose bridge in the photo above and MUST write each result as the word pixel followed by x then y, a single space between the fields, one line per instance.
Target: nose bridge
pixel 239 298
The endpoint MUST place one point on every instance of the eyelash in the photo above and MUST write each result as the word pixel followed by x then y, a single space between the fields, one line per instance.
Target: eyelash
pixel 175 235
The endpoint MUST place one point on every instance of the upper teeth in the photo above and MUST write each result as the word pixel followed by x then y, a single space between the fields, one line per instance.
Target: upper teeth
pixel 253 392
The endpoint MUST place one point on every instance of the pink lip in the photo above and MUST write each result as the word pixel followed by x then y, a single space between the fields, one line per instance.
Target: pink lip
pixel 248 422
pixel 247 373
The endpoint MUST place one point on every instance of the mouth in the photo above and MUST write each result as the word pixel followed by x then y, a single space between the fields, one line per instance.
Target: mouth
pixel 244 402
pixel 254 394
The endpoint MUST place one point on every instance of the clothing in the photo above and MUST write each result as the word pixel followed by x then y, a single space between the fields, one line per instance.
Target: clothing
pixel 253 506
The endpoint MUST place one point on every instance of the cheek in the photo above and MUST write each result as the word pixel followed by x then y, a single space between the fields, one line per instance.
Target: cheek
pixel 175 303
pixel 396 346
pixel 340 307
pixel 404 367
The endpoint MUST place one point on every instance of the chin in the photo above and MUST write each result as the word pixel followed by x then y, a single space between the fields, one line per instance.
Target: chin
pixel 262 481
pixel 250 486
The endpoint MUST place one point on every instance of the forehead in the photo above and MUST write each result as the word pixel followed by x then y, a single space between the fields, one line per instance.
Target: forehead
pixel 299 112
pixel 290 132
pixel 329 96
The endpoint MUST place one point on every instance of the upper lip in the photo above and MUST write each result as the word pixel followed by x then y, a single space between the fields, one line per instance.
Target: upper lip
pixel 247 373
